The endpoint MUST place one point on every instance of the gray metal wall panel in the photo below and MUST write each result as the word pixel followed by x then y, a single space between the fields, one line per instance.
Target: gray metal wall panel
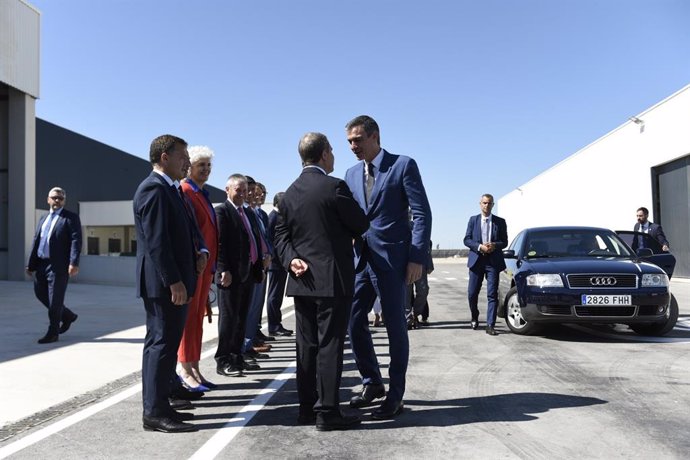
pixel 87 169
pixel 20 46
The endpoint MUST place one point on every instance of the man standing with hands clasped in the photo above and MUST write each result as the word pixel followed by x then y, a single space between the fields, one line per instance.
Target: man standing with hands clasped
pixel 318 220
pixel 486 236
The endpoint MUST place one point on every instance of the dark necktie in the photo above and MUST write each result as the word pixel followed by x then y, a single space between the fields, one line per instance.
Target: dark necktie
pixel 369 175
pixel 253 252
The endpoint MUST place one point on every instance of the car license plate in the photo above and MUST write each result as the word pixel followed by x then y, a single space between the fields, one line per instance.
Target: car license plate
pixel 606 299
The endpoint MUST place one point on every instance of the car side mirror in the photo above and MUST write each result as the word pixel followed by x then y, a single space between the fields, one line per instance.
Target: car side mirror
pixel 645 252
pixel 509 254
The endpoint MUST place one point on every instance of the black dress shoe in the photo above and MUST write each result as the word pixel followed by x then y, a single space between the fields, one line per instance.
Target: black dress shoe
pixel 389 409
pixel 48 338
pixel 250 365
pixel 336 422
pixel 282 332
pixel 66 324
pixel 167 425
pixel 180 404
pixel 254 354
pixel 474 325
pixel 491 331
pixel 264 338
pixel 369 393
pixel 179 392
pixel 181 416
pixel 306 418
pixel 231 370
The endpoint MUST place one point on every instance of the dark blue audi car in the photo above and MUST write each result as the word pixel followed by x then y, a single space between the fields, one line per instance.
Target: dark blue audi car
pixel 584 275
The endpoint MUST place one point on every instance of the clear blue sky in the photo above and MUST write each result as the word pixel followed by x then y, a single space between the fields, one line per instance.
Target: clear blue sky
pixel 484 94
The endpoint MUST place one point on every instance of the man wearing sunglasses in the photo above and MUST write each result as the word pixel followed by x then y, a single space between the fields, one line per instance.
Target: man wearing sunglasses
pixel 54 258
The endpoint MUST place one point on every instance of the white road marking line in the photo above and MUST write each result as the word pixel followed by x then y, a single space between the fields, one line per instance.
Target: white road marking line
pixel 82 415
pixel 450 279
pixel 227 432
pixel 56 427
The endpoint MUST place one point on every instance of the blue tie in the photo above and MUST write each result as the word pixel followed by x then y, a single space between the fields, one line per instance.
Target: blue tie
pixel 45 234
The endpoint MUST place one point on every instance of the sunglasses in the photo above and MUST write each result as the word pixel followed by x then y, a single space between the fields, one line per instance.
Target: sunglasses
pixel 57 198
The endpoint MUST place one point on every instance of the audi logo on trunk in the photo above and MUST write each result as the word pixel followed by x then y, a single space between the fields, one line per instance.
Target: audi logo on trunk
pixel 602 281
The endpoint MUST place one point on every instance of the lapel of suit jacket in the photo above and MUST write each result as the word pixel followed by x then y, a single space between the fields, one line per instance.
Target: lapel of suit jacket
pixel 381 176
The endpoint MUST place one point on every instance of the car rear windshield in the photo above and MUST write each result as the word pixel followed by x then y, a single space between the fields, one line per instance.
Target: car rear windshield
pixel 574 243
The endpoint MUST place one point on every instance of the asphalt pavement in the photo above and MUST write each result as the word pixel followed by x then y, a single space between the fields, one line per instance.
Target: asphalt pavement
pixel 573 392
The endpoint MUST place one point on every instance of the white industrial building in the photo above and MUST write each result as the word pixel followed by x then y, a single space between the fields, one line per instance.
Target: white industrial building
pixel 644 162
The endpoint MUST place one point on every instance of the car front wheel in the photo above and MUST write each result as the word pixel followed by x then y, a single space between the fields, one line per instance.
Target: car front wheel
pixel 662 327
pixel 514 319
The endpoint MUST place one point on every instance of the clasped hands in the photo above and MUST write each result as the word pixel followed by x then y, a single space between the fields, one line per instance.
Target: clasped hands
pixel 487 248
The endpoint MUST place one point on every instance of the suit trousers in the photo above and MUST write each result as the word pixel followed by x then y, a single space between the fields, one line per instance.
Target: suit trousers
pixel 321 326
pixel 233 305
pixel 50 288
pixel 416 299
pixel 164 324
pixel 481 269
pixel 276 292
pixel 256 307
pixel 190 345
pixel 390 287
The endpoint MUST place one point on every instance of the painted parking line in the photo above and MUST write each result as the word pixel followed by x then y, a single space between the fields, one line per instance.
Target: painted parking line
pixel 235 424
pixel 67 422
pixel 227 432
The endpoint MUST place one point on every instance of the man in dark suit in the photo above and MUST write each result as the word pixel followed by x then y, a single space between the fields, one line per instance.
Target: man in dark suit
pixel 167 265
pixel 54 258
pixel 239 266
pixel 277 277
pixel 318 221
pixel 391 256
pixel 486 236
pixel 654 230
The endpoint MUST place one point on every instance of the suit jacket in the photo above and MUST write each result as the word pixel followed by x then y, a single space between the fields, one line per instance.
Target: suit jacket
pixel 390 244
pixel 205 218
pixel 473 239
pixel 317 222
pixel 233 243
pixel 271 230
pixel 64 243
pixel 259 237
pixel 655 231
pixel 165 242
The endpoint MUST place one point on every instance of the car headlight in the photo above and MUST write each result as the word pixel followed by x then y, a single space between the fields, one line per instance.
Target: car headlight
pixel 654 280
pixel 543 280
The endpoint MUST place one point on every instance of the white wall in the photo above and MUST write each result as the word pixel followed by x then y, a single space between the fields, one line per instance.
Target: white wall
pixel 106 213
pixel 604 183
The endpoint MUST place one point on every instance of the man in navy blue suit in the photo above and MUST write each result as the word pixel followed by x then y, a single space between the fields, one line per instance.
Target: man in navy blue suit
pixel 390 256
pixel 654 230
pixel 486 236
pixel 54 258
pixel 167 265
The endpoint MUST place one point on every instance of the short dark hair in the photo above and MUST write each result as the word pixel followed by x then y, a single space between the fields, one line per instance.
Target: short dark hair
pixel 277 199
pixel 488 195
pixel 261 186
pixel 163 144
pixel 644 210
pixel 369 124
pixel 250 180
pixel 311 147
